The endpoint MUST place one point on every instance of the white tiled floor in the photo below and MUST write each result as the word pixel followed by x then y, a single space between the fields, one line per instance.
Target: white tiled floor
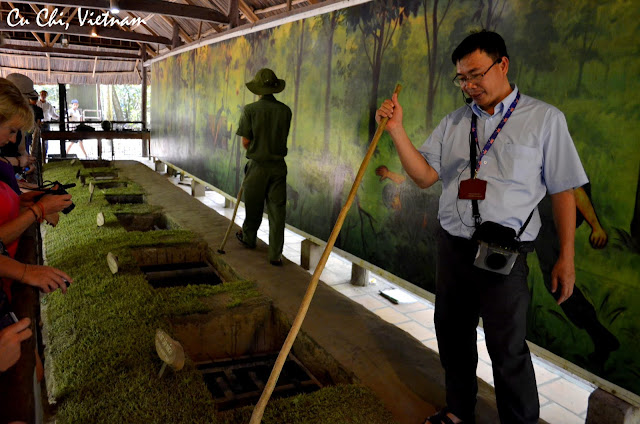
pixel 563 397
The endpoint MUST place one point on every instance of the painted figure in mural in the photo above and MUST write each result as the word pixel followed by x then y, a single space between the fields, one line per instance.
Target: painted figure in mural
pixel 577 308
pixel 75 115
pixel 412 213
pixel 264 128
pixel 496 156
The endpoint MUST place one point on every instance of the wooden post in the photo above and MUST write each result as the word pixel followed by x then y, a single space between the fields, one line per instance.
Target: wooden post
pixel 146 145
pixel 175 40
pixel 359 275
pixel 62 107
pixel 310 254
pixel 233 13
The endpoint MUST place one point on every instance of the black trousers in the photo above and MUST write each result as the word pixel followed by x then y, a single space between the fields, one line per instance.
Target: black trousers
pixel 464 293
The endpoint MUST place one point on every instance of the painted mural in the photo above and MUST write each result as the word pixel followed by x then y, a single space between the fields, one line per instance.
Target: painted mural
pixel 579 55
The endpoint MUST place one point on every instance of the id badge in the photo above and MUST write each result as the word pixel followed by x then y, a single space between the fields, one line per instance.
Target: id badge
pixel 472 189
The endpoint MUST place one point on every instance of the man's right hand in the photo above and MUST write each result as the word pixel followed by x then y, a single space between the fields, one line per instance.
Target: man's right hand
pixel 390 109
pixel 10 339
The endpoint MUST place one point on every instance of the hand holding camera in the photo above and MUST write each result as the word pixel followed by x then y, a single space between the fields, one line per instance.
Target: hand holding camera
pixel 58 198
pixel 46 278
pixel 10 339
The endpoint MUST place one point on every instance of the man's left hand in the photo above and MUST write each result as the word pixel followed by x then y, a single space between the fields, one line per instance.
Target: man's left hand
pixel 563 274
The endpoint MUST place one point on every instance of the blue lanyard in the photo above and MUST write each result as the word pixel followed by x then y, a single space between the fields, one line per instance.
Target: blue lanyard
pixel 493 137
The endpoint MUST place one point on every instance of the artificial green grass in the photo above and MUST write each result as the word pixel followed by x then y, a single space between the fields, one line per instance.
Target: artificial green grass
pixel 100 355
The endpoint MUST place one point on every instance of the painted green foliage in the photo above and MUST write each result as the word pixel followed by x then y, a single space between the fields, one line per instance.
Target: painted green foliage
pixel 580 56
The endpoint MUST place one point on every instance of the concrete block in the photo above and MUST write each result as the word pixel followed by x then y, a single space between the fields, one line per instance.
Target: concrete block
pixel 606 408
pixel 359 275
pixel 228 203
pixel 197 189
pixel 161 166
pixel 310 254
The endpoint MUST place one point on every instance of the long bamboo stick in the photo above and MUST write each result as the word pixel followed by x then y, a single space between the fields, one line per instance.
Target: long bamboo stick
pixel 233 218
pixel 258 411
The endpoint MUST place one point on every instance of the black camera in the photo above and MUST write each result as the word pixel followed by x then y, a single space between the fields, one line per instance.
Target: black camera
pixel 7 319
pixel 55 188
pixel 498 247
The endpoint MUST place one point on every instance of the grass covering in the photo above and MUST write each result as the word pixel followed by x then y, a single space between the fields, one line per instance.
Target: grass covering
pixel 100 355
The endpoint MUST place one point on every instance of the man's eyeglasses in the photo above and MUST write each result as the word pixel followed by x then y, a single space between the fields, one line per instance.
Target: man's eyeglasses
pixel 461 80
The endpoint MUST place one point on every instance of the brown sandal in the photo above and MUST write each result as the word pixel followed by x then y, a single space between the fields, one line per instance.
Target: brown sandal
pixel 440 417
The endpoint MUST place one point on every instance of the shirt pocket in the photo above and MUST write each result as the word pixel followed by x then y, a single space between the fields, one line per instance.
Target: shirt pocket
pixel 518 162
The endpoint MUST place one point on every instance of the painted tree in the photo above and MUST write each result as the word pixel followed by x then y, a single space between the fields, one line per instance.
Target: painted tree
pixel 534 56
pixel 297 78
pixel 635 222
pixel 330 22
pixel 585 27
pixel 489 14
pixel 432 25
pixel 377 22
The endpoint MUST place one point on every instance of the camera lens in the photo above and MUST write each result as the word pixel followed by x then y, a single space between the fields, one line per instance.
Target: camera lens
pixel 495 260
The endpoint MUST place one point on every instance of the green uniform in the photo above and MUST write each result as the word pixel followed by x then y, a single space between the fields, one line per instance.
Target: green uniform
pixel 266 124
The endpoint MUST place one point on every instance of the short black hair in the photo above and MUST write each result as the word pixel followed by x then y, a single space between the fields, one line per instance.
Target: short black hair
pixel 486 41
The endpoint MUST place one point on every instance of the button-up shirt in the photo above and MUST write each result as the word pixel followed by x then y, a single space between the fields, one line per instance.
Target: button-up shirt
pixel 533 154
pixel 265 124
pixel 49 113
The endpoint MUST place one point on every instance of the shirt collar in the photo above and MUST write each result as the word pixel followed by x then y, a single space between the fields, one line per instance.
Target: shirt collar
pixel 500 107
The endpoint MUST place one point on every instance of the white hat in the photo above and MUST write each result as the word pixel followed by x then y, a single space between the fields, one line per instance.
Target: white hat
pixel 24 84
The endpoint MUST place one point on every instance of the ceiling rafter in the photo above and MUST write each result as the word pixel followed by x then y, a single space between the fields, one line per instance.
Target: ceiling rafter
pixel 185 37
pixel 32 32
pixel 177 10
pixel 279 7
pixel 143 29
pixel 69 19
pixel 247 11
pixel 142 45
pixel 65 51
pixel 110 33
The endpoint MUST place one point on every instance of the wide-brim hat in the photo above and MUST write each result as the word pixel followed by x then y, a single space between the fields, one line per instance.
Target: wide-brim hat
pixel 265 82
pixel 24 84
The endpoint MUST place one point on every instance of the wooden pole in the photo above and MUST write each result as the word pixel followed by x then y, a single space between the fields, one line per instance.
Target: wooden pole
pixel 233 218
pixel 258 411
pixel 143 118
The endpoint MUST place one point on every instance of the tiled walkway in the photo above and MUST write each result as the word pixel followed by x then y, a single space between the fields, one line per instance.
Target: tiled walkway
pixel 563 397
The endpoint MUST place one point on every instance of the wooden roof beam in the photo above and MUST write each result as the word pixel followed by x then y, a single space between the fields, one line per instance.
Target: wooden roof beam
pixel 183 34
pixel 247 11
pixel 211 24
pixel 278 7
pixel 64 12
pixel 54 50
pixel 109 33
pixel 177 10
pixel 32 32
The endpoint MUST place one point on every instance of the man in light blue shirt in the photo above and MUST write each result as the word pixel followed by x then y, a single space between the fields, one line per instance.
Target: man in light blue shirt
pixel 524 150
